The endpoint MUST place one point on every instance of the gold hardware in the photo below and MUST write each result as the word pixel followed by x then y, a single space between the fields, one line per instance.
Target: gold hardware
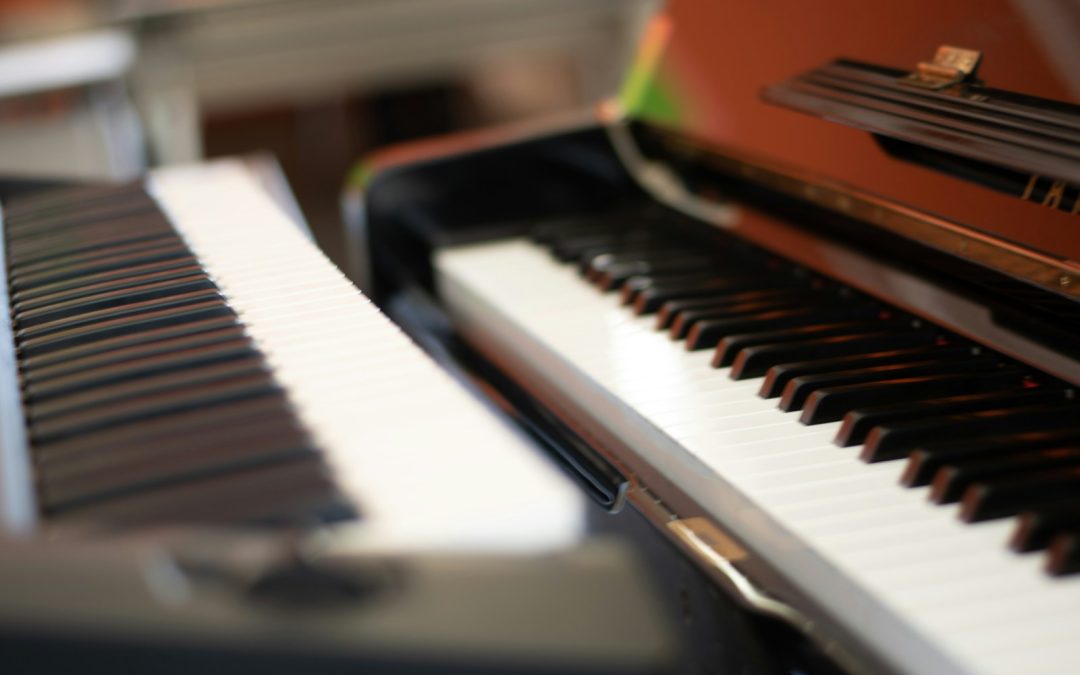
pixel 1030 186
pixel 1054 194
pixel 951 65
pixel 698 532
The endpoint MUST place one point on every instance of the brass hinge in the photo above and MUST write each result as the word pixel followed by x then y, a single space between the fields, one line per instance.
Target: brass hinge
pixel 951 65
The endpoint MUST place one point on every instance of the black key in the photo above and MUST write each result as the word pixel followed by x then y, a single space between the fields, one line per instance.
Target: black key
pixel 197 435
pixel 778 376
pixel 720 306
pixel 83 229
pixel 136 449
pixel 49 253
pixel 95 319
pixel 27 211
pixel 204 395
pixel 221 318
pixel 924 462
pixel 1037 527
pixel 573 249
pixel 832 403
pixel 76 366
pixel 119 274
pixel 56 258
pixel 593 266
pixel 799 388
pixel 718 287
pixel 135 444
pixel 687 319
pixel 635 285
pixel 1064 555
pixel 139 368
pixel 84 242
pixel 733 295
pixel 707 334
pixel 86 213
pixel 896 439
pixel 860 422
pixel 952 480
pixel 613 276
pixel 125 326
pixel 119 251
pixel 99 305
pixel 141 388
pixel 295 492
pixel 1009 495
pixel 109 281
pixel 181 460
pixel 74 451
pixel 78 267
pixel 755 361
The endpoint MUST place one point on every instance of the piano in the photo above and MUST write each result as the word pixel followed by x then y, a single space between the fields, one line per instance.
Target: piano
pixel 804 297
pixel 217 455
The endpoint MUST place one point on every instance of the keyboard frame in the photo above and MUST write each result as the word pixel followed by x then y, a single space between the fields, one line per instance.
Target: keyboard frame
pixel 18 505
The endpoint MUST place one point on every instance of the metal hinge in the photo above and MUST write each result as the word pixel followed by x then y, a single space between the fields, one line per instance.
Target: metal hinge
pixel 951 65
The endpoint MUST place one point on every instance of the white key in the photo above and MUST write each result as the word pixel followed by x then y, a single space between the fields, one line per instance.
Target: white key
pixel 428 464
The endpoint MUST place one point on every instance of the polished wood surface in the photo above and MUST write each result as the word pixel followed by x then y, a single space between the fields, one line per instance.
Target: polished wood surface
pixel 703 66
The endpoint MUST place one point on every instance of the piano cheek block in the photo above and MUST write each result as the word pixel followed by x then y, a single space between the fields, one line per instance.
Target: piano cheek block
pixel 602 481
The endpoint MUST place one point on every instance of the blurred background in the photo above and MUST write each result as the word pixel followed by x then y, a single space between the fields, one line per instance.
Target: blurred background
pixel 104 90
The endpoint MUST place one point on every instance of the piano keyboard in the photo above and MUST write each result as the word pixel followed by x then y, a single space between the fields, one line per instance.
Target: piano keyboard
pixel 187 355
pixel 125 342
pixel 793 409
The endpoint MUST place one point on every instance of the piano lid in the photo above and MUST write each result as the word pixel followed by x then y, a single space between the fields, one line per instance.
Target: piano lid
pixel 704 67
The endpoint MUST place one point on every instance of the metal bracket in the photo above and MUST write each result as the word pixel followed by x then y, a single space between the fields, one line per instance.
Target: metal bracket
pixel 951 66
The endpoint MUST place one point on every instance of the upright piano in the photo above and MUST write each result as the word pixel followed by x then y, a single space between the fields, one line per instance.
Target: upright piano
pixel 804 296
